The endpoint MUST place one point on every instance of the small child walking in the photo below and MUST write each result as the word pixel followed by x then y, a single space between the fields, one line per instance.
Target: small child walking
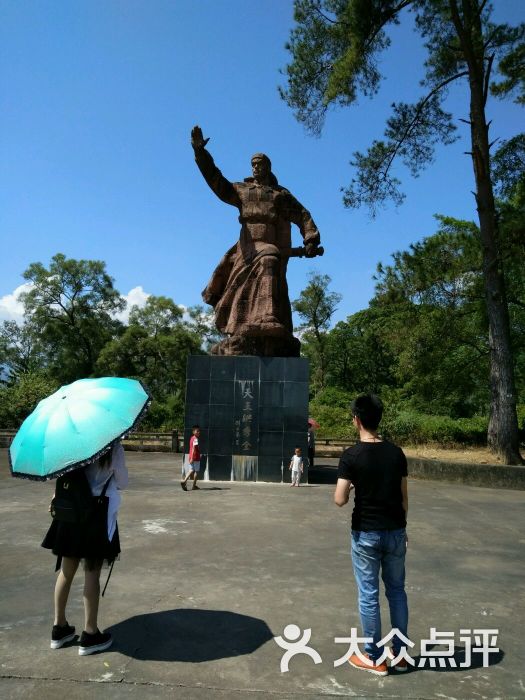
pixel 296 467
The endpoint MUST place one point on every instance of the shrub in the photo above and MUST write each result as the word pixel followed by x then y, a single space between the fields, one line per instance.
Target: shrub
pixel 334 421
pixel 521 420
pixel 404 426
pixel 165 414
pixel 21 398
pixel 334 397
pixel 417 428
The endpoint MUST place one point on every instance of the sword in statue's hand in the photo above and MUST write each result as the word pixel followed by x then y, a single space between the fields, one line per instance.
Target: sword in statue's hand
pixel 300 252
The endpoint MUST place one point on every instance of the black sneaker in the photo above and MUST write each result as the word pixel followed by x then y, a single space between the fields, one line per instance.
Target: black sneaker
pixel 90 643
pixel 60 635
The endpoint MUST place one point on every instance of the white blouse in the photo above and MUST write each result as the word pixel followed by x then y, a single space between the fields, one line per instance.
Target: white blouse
pixel 97 477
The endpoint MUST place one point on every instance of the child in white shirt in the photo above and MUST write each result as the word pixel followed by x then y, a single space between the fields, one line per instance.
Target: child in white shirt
pixel 296 467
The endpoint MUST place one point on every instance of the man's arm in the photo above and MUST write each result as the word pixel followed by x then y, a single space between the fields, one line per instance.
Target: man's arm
pixel 404 494
pixel 342 492
pixel 222 187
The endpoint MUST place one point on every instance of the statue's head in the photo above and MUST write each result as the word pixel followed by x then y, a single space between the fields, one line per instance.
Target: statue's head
pixel 262 169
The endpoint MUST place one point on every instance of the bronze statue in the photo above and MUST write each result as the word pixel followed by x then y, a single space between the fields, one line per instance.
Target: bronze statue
pixel 248 289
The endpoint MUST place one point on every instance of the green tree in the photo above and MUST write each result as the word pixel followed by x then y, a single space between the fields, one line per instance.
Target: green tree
pixel 334 48
pixel 158 316
pixel 359 358
pixel 71 306
pixel 316 306
pixel 19 398
pixel 201 321
pixel 509 175
pixel 19 350
pixel 154 348
pixel 431 298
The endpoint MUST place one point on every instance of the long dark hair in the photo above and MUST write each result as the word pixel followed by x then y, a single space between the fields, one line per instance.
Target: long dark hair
pixel 105 459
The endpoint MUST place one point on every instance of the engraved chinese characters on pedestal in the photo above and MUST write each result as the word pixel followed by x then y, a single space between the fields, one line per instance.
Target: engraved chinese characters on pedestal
pixel 247 436
pixel 248 289
pixel 246 429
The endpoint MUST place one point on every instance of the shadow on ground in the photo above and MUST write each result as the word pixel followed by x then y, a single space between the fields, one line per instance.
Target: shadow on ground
pixel 194 636
pixel 322 474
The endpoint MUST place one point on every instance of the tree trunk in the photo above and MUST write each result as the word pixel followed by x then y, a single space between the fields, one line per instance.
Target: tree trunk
pixel 322 357
pixel 502 435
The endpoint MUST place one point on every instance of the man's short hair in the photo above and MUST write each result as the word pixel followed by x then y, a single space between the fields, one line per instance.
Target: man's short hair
pixel 195 427
pixel 369 409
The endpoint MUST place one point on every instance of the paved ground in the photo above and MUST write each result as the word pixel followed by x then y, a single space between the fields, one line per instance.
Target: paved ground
pixel 206 580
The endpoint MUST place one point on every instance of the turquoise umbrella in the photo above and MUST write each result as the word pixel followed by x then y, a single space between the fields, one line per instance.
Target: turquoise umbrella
pixel 75 425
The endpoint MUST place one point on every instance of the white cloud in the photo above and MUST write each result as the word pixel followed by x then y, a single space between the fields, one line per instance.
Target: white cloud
pixel 11 308
pixel 185 313
pixel 135 297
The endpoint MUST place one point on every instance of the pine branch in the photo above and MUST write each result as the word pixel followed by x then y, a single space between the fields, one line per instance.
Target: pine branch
pixel 388 16
pixel 328 19
pixel 456 19
pixel 414 121
pixel 481 8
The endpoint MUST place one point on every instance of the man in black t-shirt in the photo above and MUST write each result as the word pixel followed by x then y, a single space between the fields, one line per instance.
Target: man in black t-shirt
pixel 377 469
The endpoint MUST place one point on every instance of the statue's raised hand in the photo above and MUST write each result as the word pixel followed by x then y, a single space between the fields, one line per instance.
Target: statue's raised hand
pixel 197 139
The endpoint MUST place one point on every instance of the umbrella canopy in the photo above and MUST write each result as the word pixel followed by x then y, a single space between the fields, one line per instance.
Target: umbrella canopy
pixel 75 425
pixel 313 423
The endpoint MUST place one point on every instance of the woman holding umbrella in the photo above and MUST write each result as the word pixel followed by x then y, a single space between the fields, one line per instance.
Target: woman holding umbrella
pixel 74 436
pixel 94 541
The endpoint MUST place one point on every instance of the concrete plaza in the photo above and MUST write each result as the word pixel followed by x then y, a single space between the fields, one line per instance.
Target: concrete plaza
pixel 207 579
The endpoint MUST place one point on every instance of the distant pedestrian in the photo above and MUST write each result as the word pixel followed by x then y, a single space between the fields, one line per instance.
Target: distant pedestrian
pixel 311 446
pixel 85 528
pixel 378 471
pixel 296 466
pixel 194 460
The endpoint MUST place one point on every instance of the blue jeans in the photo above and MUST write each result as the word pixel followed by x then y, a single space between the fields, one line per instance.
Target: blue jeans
pixel 372 551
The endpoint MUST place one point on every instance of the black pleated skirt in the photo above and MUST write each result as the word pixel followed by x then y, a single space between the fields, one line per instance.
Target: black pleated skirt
pixel 88 541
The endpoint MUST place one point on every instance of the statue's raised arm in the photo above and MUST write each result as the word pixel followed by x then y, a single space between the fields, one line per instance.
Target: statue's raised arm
pixel 222 187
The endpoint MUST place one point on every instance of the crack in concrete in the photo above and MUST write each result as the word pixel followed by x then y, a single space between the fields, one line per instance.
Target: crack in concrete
pixel 273 693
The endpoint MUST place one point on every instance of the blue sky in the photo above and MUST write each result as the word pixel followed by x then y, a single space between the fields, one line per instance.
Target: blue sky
pixel 98 99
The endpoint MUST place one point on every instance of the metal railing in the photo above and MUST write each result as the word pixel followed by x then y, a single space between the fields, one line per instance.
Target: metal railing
pixel 155 441
pixel 146 441
pixel 6 437
pixel 173 441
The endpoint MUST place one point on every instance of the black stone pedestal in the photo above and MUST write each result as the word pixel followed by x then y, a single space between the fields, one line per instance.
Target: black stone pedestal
pixel 252 411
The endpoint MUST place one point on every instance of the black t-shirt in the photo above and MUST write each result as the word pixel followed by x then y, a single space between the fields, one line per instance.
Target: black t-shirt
pixel 375 469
